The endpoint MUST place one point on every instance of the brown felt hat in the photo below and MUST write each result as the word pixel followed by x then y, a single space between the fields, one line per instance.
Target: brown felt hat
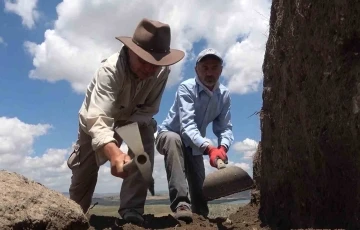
pixel 151 41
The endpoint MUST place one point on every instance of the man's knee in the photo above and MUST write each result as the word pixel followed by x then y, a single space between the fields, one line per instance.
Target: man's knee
pixel 82 188
pixel 168 141
pixel 173 140
pixel 83 181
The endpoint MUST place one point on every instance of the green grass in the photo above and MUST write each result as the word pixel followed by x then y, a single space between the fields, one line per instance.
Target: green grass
pixel 216 210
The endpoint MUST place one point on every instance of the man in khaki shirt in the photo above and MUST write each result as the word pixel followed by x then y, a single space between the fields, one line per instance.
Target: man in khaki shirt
pixel 127 87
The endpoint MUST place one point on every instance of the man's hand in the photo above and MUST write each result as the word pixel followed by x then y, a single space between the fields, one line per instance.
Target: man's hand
pixel 216 153
pixel 117 159
pixel 223 149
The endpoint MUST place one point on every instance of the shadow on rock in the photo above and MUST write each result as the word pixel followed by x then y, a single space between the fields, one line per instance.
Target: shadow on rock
pixel 102 222
pixel 150 222
pixel 160 222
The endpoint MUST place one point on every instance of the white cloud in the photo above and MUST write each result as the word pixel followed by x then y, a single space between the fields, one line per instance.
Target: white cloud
pixel 124 147
pixel 84 34
pixel 2 41
pixel 244 166
pixel 243 70
pixel 246 147
pixel 17 154
pixel 50 168
pixel 26 9
pixel 209 168
pixel 17 139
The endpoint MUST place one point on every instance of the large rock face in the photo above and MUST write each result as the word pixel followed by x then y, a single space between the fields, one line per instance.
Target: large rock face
pixel 25 204
pixel 310 117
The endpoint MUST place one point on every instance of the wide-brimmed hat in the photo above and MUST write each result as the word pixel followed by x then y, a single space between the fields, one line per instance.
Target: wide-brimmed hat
pixel 151 42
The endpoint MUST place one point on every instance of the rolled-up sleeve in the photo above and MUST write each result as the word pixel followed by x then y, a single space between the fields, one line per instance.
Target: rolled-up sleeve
pixel 99 119
pixel 188 128
pixel 152 102
pixel 222 126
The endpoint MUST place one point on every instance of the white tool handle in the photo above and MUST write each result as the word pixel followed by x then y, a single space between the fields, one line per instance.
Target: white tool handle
pixel 220 164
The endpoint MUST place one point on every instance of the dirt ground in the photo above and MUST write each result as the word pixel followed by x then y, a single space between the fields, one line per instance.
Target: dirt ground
pixel 244 218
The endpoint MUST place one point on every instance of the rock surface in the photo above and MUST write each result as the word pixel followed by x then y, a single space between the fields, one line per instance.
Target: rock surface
pixel 310 116
pixel 25 204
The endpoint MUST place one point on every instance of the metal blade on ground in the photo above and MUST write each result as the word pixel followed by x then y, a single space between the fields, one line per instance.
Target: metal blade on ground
pixel 226 181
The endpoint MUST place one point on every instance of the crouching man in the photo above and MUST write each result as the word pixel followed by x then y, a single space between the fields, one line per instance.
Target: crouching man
pixel 127 87
pixel 181 137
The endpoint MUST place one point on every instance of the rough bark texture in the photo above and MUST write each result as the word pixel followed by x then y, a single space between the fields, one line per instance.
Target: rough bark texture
pixel 310 116
pixel 25 204
pixel 255 193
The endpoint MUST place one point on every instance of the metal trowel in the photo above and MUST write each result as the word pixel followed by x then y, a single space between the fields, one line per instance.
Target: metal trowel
pixel 131 135
pixel 225 181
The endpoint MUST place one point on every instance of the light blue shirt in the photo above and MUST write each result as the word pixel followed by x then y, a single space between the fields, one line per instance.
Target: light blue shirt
pixel 194 108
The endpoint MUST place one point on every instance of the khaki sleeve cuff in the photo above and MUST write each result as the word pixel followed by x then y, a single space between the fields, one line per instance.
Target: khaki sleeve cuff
pixel 99 153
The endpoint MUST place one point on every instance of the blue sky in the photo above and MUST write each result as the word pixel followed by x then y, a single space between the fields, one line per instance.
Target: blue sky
pixel 39 101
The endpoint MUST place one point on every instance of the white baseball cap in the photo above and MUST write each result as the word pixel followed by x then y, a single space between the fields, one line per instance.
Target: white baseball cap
pixel 208 51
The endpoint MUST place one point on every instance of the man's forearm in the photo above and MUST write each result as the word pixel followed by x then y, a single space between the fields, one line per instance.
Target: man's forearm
pixel 117 159
pixel 111 150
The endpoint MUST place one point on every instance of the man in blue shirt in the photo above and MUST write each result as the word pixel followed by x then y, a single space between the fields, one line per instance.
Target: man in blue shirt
pixel 181 137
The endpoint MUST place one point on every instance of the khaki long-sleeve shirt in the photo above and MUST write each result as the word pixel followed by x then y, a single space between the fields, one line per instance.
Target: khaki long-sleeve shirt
pixel 110 98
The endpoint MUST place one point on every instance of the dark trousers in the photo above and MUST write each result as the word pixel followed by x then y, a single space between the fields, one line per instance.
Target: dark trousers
pixel 185 173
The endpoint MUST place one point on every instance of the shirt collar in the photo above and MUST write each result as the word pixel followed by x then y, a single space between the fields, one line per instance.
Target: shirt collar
pixel 124 64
